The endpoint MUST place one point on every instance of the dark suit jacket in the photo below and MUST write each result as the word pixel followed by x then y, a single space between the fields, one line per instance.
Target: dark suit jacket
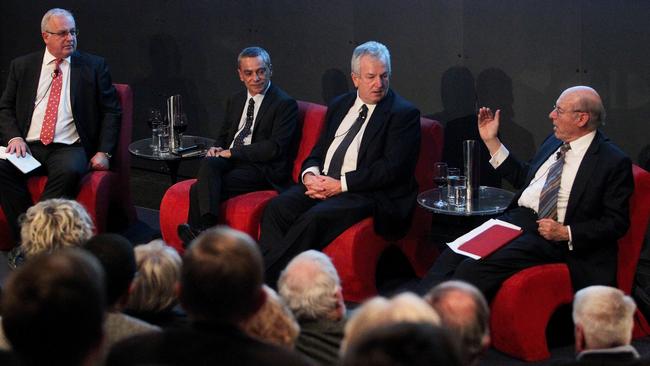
pixel 598 208
pixel 622 358
pixel 273 133
pixel 387 158
pixel 95 107
pixel 201 344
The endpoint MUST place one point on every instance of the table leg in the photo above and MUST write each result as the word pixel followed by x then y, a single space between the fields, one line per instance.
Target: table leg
pixel 173 165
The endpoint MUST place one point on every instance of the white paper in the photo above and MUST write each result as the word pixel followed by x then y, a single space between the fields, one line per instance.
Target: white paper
pixel 470 235
pixel 3 152
pixel 25 164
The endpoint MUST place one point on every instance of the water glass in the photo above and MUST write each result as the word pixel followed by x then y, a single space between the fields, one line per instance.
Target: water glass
pixel 156 136
pixel 460 192
pixel 452 176
pixel 440 181
pixel 164 137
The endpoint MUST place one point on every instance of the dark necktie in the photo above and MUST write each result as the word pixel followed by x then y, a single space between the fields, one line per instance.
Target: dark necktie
pixel 49 122
pixel 548 196
pixel 239 139
pixel 336 163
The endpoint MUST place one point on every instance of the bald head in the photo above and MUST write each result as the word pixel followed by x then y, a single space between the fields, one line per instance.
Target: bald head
pixel 586 99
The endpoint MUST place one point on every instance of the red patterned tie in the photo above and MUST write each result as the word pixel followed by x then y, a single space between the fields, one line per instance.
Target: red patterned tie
pixel 49 122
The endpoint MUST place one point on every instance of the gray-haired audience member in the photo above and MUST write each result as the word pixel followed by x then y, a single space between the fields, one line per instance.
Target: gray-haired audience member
pixel 312 289
pixel 152 296
pixel 465 313
pixel 115 253
pixel 53 309
pixel 604 318
pixel 412 344
pixel 220 287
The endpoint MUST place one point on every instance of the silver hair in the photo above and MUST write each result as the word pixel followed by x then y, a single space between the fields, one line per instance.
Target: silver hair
pixel 54 12
pixel 313 296
pixel 606 316
pixel 373 49
pixel 255 51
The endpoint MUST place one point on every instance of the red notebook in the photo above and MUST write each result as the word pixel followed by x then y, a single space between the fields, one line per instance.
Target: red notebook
pixel 490 240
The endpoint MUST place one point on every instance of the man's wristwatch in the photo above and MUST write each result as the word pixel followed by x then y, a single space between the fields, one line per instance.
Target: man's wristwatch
pixel 108 156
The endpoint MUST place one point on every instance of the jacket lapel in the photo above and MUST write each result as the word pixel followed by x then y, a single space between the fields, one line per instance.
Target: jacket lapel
pixel 75 76
pixel 266 102
pixel 585 171
pixel 379 116
pixel 549 147
pixel 33 76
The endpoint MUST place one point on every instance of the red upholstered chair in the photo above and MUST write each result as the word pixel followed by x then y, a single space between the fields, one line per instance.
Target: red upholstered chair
pixel 526 301
pixel 242 212
pixel 97 188
pixel 356 251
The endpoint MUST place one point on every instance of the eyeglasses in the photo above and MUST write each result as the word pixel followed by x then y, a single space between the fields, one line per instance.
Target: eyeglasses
pixel 559 110
pixel 73 32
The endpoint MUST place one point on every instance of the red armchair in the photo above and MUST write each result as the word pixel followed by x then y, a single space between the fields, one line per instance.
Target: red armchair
pixel 242 212
pixel 519 320
pixel 356 251
pixel 98 189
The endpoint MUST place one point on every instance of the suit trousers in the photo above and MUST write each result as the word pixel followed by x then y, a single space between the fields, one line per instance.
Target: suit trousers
pixel 488 273
pixel 64 166
pixel 293 223
pixel 219 179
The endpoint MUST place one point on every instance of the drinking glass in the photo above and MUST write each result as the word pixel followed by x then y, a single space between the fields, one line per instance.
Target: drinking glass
pixel 440 180
pixel 154 120
pixel 164 136
pixel 452 176
pixel 460 192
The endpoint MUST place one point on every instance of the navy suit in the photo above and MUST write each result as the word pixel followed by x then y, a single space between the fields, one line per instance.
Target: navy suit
pixel 96 114
pixel 383 185
pixel 263 164
pixel 597 212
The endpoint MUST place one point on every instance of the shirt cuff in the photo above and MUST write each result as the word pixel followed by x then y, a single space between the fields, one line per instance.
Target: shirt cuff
pixel 311 169
pixel 499 156
pixel 570 242
pixel 344 184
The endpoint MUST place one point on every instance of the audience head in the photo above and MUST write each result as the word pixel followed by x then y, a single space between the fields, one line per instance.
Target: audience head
pixel 54 224
pixel 311 287
pixel 115 253
pixel 379 311
pixel 159 270
pixel 603 318
pixel 53 308
pixel 371 71
pixel 254 69
pixel 578 111
pixel 273 323
pixel 222 276
pixel 59 32
pixel 413 344
pixel 465 312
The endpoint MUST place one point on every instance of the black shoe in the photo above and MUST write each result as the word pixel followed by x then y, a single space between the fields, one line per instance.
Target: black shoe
pixel 187 234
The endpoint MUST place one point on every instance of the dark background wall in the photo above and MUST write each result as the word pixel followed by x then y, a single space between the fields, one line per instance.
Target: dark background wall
pixel 518 54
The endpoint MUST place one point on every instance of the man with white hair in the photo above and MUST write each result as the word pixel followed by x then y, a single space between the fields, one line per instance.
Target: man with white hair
pixel 604 318
pixel 311 288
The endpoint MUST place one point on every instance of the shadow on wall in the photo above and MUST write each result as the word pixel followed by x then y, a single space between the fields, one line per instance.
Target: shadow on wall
pixel 334 83
pixel 458 95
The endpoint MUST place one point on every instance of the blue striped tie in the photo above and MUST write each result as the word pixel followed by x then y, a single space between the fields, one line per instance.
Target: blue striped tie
pixel 548 197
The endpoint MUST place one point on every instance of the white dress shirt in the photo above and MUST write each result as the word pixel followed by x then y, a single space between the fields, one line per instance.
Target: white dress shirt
pixel 352 154
pixel 242 120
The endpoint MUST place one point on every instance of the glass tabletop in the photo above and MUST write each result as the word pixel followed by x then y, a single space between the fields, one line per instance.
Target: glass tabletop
pixel 490 201
pixel 142 148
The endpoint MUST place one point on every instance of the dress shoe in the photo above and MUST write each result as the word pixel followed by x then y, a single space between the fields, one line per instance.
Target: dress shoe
pixel 186 233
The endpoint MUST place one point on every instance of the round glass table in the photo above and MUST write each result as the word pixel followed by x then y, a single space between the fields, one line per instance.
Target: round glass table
pixel 489 201
pixel 142 148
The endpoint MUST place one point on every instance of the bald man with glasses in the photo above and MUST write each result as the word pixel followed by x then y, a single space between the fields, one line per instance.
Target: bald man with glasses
pixel 60 106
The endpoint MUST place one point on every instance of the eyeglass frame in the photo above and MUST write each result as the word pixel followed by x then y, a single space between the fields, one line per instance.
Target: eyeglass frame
pixel 559 111
pixel 73 32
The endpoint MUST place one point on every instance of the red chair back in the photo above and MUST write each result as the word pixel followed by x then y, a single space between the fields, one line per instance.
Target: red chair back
pixel 311 121
pixel 121 161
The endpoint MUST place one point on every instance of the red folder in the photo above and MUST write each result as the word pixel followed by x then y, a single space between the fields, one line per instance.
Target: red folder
pixel 490 240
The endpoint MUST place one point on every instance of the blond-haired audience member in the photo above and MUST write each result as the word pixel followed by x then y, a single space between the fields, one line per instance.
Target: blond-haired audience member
pixel 153 290
pixel 51 225
pixel 379 311
pixel 274 322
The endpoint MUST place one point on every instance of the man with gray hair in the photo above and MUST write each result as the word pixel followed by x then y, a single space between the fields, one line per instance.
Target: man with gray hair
pixel 362 165
pixel 464 311
pixel 604 318
pixel 572 203
pixel 311 288
pixel 60 106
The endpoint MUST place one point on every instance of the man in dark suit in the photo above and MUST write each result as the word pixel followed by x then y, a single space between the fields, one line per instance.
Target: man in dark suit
pixel 220 287
pixel 253 149
pixel 363 165
pixel 61 107
pixel 573 203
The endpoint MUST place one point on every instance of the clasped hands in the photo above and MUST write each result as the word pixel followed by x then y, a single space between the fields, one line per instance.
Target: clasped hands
pixel 552 230
pixel 321 187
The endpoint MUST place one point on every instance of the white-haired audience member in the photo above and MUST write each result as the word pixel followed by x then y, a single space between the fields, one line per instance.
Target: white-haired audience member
pixel 604 318
pixel 465 313
pixel 274 322
pixel 412 344
pixel 379 311
pixel 152 297
pixel 51 225
pixel 311 288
